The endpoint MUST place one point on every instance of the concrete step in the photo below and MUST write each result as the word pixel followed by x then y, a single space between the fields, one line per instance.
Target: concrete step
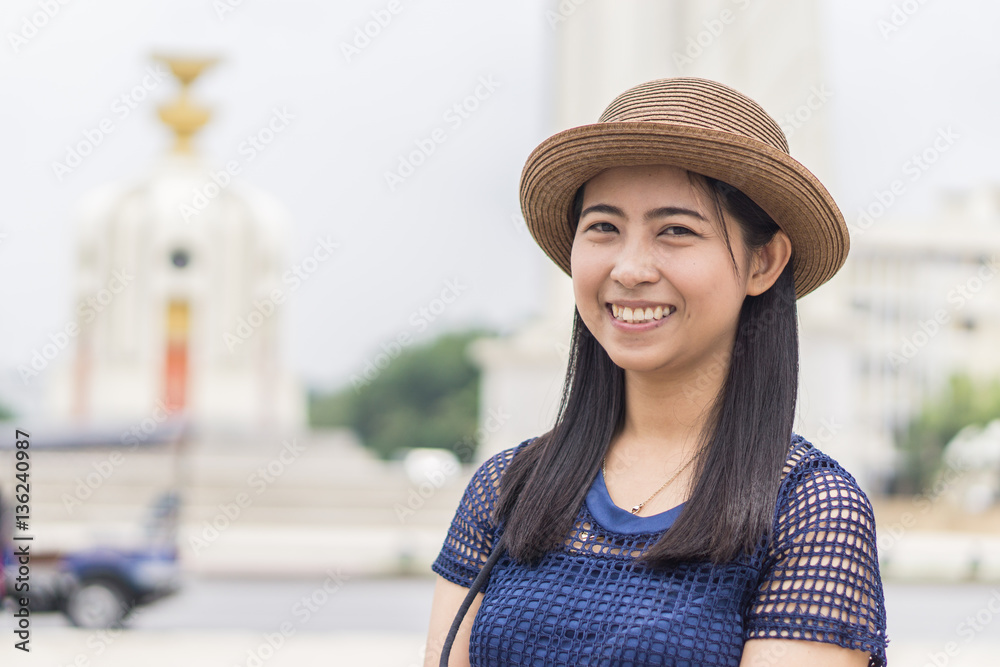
pixel 389 515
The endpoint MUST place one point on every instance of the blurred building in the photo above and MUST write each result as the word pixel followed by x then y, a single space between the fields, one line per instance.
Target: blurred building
pixel 921 302
pixel 180 296
pixel 974 453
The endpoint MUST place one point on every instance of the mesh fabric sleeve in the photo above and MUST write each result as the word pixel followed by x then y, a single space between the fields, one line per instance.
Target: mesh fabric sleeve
pixel 471 534
pixel 821 581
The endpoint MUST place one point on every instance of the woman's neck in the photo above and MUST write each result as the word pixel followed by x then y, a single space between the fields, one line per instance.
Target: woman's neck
pixel 664 419
pixel 669 412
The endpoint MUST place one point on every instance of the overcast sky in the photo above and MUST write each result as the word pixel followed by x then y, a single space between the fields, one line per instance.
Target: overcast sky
pixel 355 113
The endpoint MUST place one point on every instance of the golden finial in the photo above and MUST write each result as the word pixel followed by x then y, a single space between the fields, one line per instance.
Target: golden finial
pixel 182 116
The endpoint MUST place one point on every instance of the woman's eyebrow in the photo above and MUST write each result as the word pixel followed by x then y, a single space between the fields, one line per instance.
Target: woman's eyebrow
pixel 667 211
pixel 662 212
pixel 607 209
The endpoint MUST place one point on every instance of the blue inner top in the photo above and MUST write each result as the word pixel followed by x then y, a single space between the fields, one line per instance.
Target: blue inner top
pixel 621 520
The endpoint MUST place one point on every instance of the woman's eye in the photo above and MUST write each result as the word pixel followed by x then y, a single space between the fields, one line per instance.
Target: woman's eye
pixel 602 227
pixel 676 230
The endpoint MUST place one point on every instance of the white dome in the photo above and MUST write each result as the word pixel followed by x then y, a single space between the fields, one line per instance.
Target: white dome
pixel 193 243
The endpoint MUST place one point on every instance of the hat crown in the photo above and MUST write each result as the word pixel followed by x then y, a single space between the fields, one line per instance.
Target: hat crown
pixel 697 103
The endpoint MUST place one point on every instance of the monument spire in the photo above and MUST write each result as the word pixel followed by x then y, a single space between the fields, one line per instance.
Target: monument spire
pixel 182 116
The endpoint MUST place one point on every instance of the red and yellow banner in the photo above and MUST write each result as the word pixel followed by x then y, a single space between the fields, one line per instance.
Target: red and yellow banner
pixel 176 370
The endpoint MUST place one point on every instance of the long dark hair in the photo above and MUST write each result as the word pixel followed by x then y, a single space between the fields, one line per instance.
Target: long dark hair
pixel 746 437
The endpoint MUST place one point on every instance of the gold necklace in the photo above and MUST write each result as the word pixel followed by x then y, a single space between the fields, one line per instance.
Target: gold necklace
pixel 637 508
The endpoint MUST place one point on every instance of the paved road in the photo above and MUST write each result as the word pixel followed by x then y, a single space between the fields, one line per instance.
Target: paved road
pixel 314 605
pixel 227 622
pixel 364 605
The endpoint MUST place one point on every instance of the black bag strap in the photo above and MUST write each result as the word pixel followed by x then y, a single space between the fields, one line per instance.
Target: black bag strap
pixel 477 584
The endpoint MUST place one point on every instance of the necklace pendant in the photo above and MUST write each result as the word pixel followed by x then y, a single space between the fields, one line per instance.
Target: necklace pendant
pixel 635 510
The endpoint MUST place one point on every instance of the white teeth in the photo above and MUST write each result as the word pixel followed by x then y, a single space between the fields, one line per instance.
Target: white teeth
pixel 640 315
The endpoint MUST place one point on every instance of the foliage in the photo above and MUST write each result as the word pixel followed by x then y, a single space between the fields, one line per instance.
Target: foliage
pixel 428 396
pixel 923 440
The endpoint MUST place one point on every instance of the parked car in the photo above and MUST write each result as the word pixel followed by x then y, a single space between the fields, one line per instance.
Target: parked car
pixel 100 586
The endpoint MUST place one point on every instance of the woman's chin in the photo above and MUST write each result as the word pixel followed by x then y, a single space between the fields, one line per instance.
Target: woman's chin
pixel 635 363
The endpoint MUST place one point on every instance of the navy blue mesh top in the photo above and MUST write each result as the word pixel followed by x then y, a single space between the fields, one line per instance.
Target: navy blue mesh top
pixel 591 602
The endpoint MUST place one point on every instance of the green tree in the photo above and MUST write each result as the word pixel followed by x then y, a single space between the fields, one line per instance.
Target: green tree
pixel 923 439
pixel 428 396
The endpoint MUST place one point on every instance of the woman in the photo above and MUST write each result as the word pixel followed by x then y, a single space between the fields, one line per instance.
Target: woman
pixel 671 516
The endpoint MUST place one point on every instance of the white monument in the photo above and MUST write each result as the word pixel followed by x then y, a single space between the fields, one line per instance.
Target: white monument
pixel 180 296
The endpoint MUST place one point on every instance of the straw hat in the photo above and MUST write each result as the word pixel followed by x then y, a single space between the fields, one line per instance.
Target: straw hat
pixel 704 127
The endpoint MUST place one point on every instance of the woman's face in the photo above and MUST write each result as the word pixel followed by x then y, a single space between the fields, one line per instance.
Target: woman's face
pixel 652 275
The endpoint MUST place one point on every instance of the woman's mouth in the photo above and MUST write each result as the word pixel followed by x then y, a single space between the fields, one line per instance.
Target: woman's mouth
pixel 638 315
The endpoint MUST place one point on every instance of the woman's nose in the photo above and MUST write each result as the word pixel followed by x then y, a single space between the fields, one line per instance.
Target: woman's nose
pixel 634 265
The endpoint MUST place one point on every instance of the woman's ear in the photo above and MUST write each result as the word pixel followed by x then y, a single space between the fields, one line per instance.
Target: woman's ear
pixel 768 263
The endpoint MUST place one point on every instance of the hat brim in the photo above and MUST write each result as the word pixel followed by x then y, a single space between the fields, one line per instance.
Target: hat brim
pixel 775 181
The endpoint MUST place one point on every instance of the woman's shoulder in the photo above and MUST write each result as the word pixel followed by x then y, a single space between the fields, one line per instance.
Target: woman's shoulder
pixel 485 480
pixel 820 579
pixel 815 484
pixel 806 461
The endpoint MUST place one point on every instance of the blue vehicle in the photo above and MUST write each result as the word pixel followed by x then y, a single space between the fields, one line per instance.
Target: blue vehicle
pixel 97 587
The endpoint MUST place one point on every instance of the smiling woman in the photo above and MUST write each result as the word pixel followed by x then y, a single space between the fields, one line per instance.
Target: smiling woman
pixel 671 516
